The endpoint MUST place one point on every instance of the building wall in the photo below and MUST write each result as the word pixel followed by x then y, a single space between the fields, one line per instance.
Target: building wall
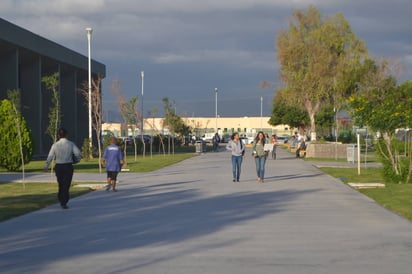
pixel 25 58
pixel 202 125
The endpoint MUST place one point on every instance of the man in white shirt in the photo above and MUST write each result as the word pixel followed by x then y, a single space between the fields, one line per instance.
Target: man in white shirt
pixel 65 153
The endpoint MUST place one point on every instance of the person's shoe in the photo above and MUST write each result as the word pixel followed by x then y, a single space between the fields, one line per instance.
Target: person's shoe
pixel 64 206
pixel 237 180
pixel 233 180
pixel 108 187
pixel 114 190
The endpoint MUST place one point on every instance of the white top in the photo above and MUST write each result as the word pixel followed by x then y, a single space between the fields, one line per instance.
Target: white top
pixel 236 147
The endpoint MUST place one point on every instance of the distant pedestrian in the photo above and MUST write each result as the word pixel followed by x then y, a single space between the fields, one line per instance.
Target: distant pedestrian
pixel 65 153
pixel 299 144
pixel 237 148
pixel 216 141
pixel 260 155
pixel 274 147
pixel 113 161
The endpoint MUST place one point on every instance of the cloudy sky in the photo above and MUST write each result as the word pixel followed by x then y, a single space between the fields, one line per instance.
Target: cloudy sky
pixel 189 47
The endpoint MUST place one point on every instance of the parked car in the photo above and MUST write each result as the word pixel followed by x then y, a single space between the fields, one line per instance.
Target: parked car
pixel 283 139
pixel 127 140
pixel 147 138
pixel 226 138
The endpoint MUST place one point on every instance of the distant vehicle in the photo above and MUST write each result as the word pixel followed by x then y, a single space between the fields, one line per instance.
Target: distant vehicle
pixel 127 140
pixel 226 138
pixel 208 137
pixel 147 138
pixel 247 138
pixel 282 139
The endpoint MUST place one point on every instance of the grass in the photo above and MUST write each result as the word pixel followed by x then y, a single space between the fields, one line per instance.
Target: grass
pixel 395 197
pixel 18 199
pixel 146 164
pixel 350 175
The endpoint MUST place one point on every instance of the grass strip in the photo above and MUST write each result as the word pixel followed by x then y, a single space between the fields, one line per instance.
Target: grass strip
pixel 395 197
pixel 18 199
pixel 142 164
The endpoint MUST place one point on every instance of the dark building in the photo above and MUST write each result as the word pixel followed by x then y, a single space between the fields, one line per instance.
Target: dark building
pixel 24 59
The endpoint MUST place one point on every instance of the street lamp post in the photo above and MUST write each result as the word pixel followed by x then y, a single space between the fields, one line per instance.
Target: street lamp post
pixel 89 38
pixel 261 112
pixel 142 122
pixel 216 107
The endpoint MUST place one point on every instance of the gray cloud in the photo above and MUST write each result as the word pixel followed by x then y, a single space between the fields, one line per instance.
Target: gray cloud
pixel 188 47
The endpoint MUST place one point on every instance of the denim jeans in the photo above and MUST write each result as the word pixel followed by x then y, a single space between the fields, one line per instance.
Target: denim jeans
pixel 274 153
pixel 236 166
pixel 260 167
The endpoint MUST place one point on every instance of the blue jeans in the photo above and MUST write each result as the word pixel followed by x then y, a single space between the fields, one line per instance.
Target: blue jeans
pixel 215 146
pixel 260 167
pixel 274 153
pixel 236 166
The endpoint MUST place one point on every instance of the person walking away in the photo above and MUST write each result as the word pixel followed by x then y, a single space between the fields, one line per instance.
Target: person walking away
pixel 260 155
pixel 65 153
pixel 274 148
pixel 237 148
pixel 298 144
pixel 216 141
pixel 113 161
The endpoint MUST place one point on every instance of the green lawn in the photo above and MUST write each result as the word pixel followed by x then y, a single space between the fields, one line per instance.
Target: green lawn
pixel 395 197
pixel 18 198
pixel 350 175
pixel 142 164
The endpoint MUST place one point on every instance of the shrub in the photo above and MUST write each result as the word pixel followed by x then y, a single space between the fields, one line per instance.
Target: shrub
pixel 394 172
pixel 87 151
pixel 10 157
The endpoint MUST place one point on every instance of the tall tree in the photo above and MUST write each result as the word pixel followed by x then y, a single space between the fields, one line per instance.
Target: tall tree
pixel 319 60
pixel 97 114
pixel 384 107
pixel 131 116
pixel 51 83
pixel 173 121
pixel 155 129
pixel 129 111
pixel 12 146
pixel 283 113
pixel 14 97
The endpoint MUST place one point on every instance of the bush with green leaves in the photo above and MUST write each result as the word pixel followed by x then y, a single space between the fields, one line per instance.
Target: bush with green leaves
pixel 10 157
pixel 402 162
pixel 88 152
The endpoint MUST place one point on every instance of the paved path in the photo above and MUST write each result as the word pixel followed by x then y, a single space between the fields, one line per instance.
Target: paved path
pixel 190 218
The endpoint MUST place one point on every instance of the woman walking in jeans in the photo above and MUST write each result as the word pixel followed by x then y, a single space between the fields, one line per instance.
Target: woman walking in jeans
pixel 237 148
pixel 260 155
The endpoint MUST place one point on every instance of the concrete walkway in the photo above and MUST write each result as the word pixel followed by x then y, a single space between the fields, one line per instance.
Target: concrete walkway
pixel 191 218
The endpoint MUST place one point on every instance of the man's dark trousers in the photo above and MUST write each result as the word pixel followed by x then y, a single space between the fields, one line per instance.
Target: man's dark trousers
pixel 64 174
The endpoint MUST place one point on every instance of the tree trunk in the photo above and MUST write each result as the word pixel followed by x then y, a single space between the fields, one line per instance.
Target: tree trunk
pixel 99 148
pixel 312 110
pixel 391 154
